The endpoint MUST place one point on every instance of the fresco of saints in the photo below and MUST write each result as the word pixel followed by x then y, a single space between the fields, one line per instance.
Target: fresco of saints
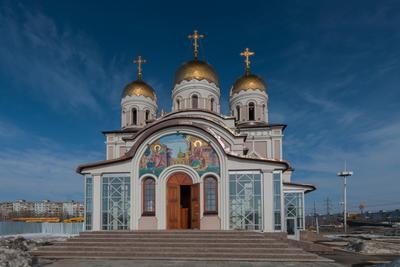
pixel 158 158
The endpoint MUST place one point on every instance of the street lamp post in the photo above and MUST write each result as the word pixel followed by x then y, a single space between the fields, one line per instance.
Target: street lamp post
pixel 345 174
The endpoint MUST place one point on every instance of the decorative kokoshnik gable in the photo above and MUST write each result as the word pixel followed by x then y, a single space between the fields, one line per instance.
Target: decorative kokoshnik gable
pixel 176 149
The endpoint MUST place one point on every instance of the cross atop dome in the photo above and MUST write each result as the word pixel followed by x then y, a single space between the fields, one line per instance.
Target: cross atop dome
pixel 195 36
pixel 247 54
pixel 139 61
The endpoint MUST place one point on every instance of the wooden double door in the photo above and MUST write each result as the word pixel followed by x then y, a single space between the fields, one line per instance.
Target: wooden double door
pixel 183 202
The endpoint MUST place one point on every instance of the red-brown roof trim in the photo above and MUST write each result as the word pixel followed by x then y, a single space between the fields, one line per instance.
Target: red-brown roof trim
pixel 309 186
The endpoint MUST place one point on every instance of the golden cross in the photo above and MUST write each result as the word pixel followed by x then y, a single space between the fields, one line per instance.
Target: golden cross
pixel 139 61
pixel 247 54
pixel 195 36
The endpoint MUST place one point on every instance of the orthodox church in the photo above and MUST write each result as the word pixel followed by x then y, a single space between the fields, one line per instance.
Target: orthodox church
pixel 194 168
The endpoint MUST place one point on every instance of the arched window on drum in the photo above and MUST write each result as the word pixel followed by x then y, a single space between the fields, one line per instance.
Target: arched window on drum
pixel 212 101
pixel 195 101
pixel 252 111
pixel 210 195
pixel 134 116
pixel 149 196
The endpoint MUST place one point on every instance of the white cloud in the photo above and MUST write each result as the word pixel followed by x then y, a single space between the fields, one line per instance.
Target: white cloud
pixel 41 173
pixel 62 68
pixel 45 169
pixel 375 164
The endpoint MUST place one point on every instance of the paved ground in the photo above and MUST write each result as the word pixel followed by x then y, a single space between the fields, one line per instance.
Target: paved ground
pixel 356 259
pixel 141 263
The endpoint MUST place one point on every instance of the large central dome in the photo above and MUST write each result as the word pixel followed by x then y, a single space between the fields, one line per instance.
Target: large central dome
pixel 197 70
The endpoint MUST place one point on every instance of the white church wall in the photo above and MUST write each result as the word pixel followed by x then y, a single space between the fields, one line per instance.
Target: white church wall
pixel 268 202
pixel 286 176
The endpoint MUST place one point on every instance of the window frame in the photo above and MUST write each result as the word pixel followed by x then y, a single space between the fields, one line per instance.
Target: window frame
pixel 251 111
pixel 238 113
pixel 193 97
pixel 144 206
pixel 210 212
pixel 134 114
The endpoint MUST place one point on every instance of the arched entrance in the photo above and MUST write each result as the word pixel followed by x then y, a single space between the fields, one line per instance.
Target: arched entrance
pixel 183 202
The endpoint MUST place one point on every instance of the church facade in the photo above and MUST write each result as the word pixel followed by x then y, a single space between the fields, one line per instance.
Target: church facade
pixel 194 168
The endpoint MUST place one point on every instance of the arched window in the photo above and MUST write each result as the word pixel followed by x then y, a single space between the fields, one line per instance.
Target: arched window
pixel 195 101
pixel 178 104
pixel 149 196
pixel 134 116
pixel 238 113
pixel 147 115
pixel 263 112
pixel 210 195
pixel 251 111
pixel 124 117
pixel 212 104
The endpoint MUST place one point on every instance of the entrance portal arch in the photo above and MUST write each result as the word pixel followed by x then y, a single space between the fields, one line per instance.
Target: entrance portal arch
pixel 182 202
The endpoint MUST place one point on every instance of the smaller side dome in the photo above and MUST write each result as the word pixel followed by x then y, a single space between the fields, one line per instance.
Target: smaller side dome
pixel 197 70
pixel 139 88
pixel 248 82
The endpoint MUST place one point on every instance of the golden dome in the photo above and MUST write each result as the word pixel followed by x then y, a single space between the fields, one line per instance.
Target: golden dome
pixel 248 82
pixel 138 88
pixel 198 70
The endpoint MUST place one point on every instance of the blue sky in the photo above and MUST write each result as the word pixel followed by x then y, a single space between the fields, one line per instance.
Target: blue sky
pixel 333 70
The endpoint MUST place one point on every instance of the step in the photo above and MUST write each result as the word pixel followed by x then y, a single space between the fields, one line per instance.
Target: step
pixel 177 255
pixel 177 232
pixel 185 240
pixel 168 244
pixel 171 235
pixel 171 249
pixel 190 245
pixel 317 259
pixel 188 233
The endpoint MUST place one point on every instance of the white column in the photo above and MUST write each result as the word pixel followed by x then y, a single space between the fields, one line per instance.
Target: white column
pixel 268 212
pixel 96 202
pixel 135 198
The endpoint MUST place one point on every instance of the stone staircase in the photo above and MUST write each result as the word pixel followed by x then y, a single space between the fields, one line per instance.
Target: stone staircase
pixel 178 245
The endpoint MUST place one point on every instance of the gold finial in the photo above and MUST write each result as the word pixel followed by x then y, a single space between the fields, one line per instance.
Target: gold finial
pixel 139 61
pixel 195 36
pixel 247 54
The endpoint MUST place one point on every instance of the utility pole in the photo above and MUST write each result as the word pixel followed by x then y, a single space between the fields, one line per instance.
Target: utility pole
pixel 316 219
pixel 315 214
pixel 328 206
pixel 344 174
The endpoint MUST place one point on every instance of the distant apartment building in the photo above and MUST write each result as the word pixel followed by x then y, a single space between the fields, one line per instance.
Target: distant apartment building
pixel 43 207
pixel 6 208
pixel 22 206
